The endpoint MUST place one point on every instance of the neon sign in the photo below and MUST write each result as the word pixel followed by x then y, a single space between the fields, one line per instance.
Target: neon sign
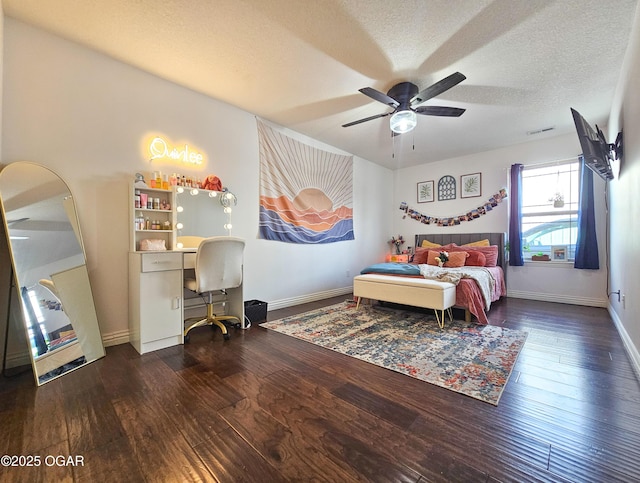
pixel 159 149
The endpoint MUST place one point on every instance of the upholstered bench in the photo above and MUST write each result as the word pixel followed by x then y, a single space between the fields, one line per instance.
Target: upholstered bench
pixel 418 292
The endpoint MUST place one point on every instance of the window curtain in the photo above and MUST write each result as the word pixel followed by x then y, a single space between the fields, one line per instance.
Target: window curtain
pixel 587 243
pixel 515 218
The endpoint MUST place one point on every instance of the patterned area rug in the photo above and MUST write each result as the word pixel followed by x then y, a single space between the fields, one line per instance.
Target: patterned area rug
pixel 471 359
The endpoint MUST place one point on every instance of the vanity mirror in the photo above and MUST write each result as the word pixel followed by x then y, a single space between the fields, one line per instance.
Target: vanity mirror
pixel 202 213
pixel 49 268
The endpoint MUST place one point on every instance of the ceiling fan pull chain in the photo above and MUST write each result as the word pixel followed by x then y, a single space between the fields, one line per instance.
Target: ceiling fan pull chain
pixel 393 146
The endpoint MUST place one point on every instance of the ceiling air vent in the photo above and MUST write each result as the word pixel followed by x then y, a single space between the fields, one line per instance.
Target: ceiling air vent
pixel 540 131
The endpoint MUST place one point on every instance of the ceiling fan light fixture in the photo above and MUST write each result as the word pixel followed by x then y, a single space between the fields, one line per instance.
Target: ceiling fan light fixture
pixel 403 121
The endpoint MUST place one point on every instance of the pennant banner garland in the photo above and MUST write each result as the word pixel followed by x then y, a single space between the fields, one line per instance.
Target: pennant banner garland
pixel 455 220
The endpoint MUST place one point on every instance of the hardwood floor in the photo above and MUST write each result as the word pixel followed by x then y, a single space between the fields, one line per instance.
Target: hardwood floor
pixel 265 407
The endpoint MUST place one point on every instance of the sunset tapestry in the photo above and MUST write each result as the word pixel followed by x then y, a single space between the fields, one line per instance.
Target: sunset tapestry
pixel 306 194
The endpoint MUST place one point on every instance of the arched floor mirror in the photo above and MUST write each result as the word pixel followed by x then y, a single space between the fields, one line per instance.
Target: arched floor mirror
pixel 51 280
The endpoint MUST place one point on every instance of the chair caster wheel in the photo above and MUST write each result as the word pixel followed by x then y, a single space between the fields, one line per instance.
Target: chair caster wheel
pixel 238 325
pixel 226 336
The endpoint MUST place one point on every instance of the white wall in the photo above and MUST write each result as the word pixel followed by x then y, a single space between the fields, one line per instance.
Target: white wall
pixel 537 281
pixel 625 200
pixel 85 116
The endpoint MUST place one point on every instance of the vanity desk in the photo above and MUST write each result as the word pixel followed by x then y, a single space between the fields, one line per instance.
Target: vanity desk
pixel 157 297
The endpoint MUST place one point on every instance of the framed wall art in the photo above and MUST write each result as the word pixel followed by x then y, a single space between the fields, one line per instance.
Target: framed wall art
pixel 447 188
pixel 425 191
pixel 471 185
pixel 559 253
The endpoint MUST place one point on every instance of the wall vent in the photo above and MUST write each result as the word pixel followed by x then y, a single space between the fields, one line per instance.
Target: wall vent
pixel 540 131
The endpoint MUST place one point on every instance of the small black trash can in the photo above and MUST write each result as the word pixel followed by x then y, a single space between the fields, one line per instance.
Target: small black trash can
pixel 255 311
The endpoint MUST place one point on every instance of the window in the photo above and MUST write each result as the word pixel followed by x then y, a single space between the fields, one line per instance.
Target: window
pixel 550 198
pixel 39 322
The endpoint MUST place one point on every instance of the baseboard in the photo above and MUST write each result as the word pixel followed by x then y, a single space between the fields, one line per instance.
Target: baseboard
pixel 559 298
pixel 17 359
pixel 631 349
pixel 115 338
pixel 303 299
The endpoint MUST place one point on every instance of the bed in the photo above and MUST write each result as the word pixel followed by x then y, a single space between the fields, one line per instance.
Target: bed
pixel 470 296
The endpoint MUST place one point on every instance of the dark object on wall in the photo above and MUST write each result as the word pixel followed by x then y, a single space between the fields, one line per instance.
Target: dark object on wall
pixel 255 311
pixel 447 188
pixel 597 153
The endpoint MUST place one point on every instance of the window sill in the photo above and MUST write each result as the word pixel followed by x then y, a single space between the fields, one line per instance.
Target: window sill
pixel 550 263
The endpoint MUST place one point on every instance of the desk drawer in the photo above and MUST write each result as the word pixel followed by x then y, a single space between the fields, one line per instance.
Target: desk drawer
pixel 158 262
pixel 189 260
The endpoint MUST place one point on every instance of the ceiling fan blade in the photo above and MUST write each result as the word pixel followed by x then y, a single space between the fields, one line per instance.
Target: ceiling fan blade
pixel 440 111
pixel 380 97
pixel 437 88
pixel 366 119
pixel 19 220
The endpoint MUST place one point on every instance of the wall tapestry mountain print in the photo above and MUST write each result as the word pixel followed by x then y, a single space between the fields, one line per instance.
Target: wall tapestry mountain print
pixel 306 194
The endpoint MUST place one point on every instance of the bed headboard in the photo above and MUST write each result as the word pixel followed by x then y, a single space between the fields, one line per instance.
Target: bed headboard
pixel 462 238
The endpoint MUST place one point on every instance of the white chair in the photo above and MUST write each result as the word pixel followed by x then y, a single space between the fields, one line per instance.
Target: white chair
pixel 219 264
pixel 50 286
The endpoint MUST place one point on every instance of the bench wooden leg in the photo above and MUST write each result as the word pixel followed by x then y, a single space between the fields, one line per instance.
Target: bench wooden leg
pixel 358 303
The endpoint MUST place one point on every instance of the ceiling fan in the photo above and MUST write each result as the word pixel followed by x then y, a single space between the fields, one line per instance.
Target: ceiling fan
pixel 406 102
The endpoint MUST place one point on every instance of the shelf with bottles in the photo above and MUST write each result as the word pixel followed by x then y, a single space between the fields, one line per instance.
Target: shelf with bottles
pixel 151 199
pixel 151 216
pixel 146 224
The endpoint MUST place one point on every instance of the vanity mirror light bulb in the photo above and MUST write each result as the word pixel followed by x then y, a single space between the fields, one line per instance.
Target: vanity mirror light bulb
pixel 179 245
pixel 227 210
pixel 213 194
pixel 194 192
pixel 229 196
pixel 180 189
pixel 179 226
pixel 228 226
pixel 179 209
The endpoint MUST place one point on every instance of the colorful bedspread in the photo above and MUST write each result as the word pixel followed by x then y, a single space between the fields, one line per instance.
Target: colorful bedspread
pixel 481 275
pixel 469 295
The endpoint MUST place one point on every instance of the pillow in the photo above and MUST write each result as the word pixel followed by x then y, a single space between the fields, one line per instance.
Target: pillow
pixel 456 259
pixel 428 244
pixel 479 243
pixel 490 253
pixel 421 255
pixel 431 257
pixel 475 259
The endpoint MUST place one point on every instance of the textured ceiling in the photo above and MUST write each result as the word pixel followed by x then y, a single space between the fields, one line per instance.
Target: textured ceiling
pixel 300 63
